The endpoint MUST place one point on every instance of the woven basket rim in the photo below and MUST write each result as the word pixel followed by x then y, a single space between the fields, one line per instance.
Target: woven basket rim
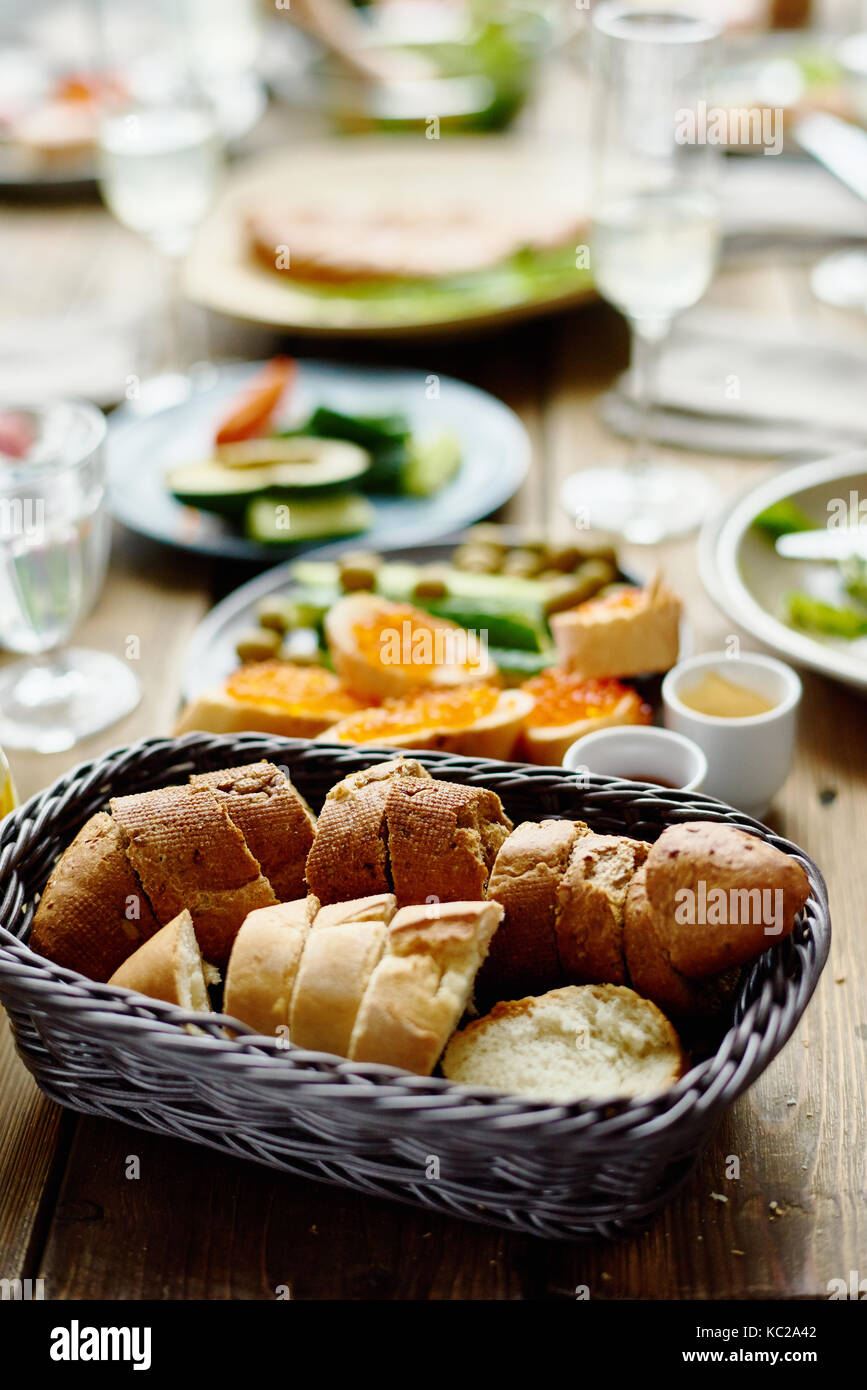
pixel 710 1085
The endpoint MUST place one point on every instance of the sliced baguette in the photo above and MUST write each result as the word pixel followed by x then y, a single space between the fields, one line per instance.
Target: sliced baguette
pixel 420 989
pixel 723 896
pixel 188 853
pixel 345 945
pixel 590 904
pixel 443 839
pixel 348 857
pixel 525 878
pixel 218 712
pixel 93 912
pixel 627 633
pixel 170 967
pixel 263 966
pixel 274 819
pixel 578 1043
pixel 649 966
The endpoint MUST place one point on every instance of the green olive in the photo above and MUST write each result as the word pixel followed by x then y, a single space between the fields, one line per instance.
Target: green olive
pixel 477 559
pixel 431 583
pixel 257 644
pixel 358 570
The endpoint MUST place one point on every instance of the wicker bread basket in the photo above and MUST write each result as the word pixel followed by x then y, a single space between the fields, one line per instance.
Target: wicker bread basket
pixel 577 1170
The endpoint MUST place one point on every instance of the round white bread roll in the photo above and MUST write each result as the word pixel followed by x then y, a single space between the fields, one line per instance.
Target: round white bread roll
pixel 582 1042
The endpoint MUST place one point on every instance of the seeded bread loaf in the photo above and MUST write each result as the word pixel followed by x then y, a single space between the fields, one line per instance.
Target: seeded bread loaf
pixel 93 912
pixel 348 858
pixel 187 853
pixel 590 903
pixel 169 966
pixel 721 895
pixel 420 989
pixel 525 878
pixel 576 1043
pixel 274 819
pixel 263 966
pixel 345 944
pixel 443 839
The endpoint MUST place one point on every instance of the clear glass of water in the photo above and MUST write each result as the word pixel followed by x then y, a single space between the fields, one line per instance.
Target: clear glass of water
pixel 54 544
pixel 654 238
pixel 159 163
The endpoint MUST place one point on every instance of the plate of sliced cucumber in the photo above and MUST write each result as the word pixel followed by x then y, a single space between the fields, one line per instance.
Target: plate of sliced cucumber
pixel 275 458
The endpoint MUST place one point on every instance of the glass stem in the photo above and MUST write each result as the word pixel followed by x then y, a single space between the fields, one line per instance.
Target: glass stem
pixel 647 337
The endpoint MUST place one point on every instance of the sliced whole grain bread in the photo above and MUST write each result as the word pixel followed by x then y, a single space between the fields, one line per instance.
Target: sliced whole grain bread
pixel 443 839
pixel 274 819
pixel 590 903
pixel 93 912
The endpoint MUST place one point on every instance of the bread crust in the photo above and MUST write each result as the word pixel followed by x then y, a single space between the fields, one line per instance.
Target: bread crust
pixel 443 839
pixel 263 966
pixel 218 712
pixel 188 853
pixel 348 858
pixel 342 950
pixel 649 968
pixel 601 638
pixel 698 857
pixel 168 966
pixel 82 920
pixel 525 878
pixel 273 817
pixel 420 988
pixel 590 904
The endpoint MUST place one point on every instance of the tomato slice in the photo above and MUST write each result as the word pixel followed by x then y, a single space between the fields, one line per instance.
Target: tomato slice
pixel 254 407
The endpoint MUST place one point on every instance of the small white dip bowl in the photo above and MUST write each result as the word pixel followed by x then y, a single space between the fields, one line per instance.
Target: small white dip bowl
pixel 640 753
pixel 748 759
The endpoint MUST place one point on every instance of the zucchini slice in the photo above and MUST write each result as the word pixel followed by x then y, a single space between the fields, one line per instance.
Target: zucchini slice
pixel 272 522
pixel 213 486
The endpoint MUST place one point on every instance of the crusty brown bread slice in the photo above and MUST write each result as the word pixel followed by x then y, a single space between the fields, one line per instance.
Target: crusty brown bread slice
pixel 723 896
pixel 169 966
pixel 420 989
pixel 443 839
pixel 93 911
pixel 348 858
pixel 525 878
pixel 274 819
pixel 590 902
pixel 263 966
pixel 188 853
pixel 344 946
pixel 651 972
pixel 580 1042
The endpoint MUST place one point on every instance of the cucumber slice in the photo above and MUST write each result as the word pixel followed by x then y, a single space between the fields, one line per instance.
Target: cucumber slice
pixel 430 464
pixel 213 486
pixel 301 451
pixel 272 522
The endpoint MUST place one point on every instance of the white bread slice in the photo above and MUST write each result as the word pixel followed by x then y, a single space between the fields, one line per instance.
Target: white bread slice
pixel 492 736
pixel 274 819
pixel 348 857
pixel 443 838
pixel 218 712
pixel 628 633
pixel 450 656
pixel 582 1042
pixel 188 853
pixel 590 905
pixel 93 912
pixel 525 878
pixel 344 946
pixel 170 967
pixel 421 987
pixel 264 964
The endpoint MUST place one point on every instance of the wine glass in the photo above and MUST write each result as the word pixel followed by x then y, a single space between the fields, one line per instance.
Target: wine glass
pixel 654 239
pixel 159 161
pixel 54 544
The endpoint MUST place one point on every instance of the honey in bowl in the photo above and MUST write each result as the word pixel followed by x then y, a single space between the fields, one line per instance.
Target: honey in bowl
pixel 721 698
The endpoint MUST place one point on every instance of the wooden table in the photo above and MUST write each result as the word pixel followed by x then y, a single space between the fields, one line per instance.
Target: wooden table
pixel 196 1225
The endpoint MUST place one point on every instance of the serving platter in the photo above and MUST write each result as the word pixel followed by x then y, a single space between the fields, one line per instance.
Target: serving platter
pixel 222 274
pixel 749 581
pixel 495 451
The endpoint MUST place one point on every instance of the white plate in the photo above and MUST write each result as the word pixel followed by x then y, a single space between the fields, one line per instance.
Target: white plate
pixel 749 581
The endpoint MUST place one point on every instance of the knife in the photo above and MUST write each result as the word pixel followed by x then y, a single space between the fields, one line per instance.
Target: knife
pixel 831 543
pixel 839 146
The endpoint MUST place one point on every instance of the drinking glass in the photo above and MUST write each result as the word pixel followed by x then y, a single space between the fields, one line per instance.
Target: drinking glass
pixel 654 238
pixel 54 543
pixel 159 162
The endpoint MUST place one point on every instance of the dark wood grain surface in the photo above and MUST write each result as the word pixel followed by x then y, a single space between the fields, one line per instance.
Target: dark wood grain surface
pixel 194 1224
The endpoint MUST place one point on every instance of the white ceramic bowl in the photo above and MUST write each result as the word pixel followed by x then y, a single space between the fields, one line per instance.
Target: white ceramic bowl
pixel 748 759
pixel 640 753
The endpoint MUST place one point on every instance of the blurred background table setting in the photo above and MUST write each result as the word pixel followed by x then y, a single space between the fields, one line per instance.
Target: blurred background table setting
pixel 305 299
